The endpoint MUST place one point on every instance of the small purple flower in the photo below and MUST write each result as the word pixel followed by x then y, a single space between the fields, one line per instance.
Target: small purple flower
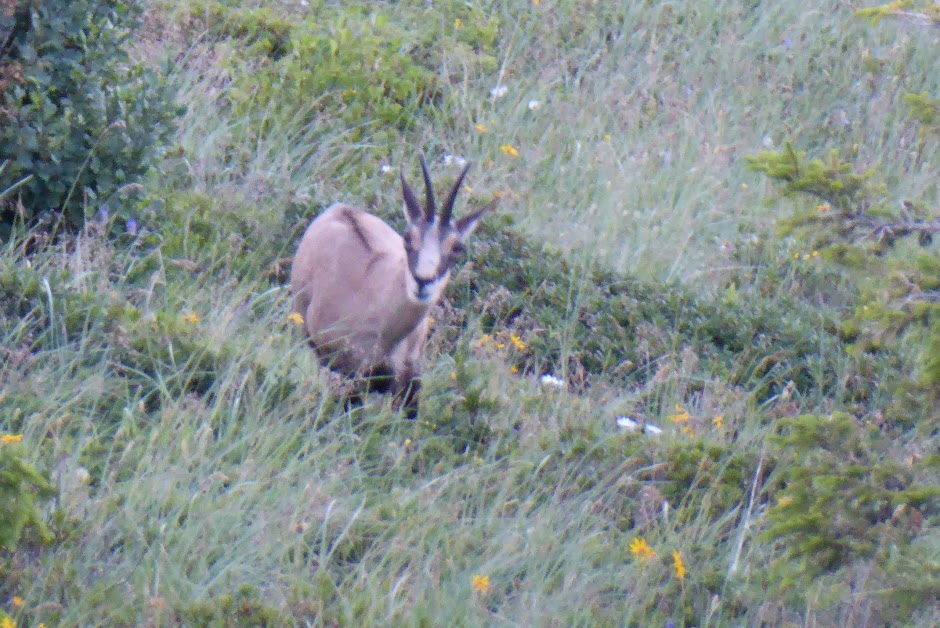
pixel 103 214
pixel 132 226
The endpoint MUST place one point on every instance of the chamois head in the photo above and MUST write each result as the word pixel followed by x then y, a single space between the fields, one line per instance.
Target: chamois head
pixel 433 240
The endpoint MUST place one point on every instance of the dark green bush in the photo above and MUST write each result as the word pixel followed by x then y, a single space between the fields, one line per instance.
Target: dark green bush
pixel 246 607
pixel 372 68
pixel 885 249
pixel 843 498
pixel 592 323
pixel 79 122
pixel 22 488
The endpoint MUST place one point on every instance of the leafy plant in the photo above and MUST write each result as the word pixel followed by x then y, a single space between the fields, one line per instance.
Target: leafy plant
pixel 842 498
pixel 371 68
pixel 22 489
pixel 621 328
pixel 886 248
pixel 79 122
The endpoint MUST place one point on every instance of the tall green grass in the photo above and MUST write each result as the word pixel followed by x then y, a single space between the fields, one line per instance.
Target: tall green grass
pixel 207 477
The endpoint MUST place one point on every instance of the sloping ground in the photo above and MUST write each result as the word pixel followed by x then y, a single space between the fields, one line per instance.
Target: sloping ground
pixel 206 475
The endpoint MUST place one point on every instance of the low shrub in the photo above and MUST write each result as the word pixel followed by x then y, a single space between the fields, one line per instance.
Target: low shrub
pixel 79 122
pixel 22 489
pixel 592 324
pixel 844 498
pixel 373 69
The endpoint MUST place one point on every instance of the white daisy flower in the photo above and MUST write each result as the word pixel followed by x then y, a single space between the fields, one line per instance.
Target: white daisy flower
pixel 550 380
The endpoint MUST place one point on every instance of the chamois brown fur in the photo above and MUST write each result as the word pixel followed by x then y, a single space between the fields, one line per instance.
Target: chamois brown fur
pixel 364 291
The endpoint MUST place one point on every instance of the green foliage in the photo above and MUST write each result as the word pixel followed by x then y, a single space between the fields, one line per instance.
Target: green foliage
pixel 79 122
pixel 832 180
pixel 370 67
pixel 707 478
pixel 905 9
pixel 261 31
pixel 593 324
pixel 246 607
pixel 856 228
pixel 925 110
pixel 842 498
pixel 211 455
pixel 22 490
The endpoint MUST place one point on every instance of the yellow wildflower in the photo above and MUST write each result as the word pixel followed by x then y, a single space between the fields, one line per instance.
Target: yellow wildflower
pixel 6 439
pixel 514 369
pixel 744 186
pixel 806 257
pixel 295 318
pixel 678 565
pixel 17 601
pixel 192 318
pixel 815 253
pixel 641 549
pixel 481 128
pixel 823 208
pixel 681 415
pixel 481 584
pixel 718 421
pixel 607 137
pixel 6 622
pixel 508 149
pixel 517 342
pixel 457 23
pixel 500 346
pixel 786 500
pixel 536 2
pixel 407 442
pixel 688 431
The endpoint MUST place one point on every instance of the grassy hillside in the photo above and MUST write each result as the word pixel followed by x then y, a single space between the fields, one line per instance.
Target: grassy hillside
pixel 205 475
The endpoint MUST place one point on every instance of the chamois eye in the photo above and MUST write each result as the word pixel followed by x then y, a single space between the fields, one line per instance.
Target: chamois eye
pixel 457 249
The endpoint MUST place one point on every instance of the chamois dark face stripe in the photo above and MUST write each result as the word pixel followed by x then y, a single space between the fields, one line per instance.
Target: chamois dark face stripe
pixel 429 208
pixel 350 217
pixel 448 209
pixel 444 263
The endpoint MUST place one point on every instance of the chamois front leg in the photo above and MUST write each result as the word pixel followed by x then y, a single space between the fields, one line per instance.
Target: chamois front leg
pixel 407 387
pixel 407 360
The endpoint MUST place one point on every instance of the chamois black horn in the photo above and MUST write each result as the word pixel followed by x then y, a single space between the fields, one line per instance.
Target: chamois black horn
pixel 429 209
pixel 411 202
pixel 448 207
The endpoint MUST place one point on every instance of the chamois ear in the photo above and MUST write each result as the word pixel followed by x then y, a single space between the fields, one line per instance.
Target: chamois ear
pixel 465 226
pixel 413 211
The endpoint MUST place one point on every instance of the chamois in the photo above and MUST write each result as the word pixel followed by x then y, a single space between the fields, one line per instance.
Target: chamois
pixel 364 291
